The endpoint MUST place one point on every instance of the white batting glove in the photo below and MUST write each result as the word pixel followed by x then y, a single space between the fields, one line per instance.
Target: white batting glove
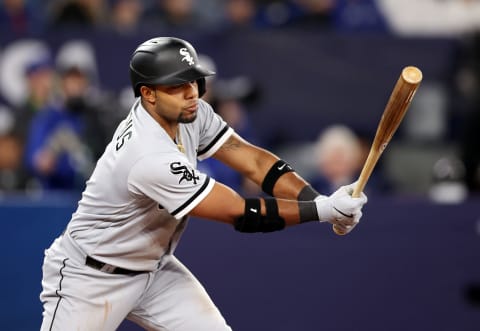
pixel 340 209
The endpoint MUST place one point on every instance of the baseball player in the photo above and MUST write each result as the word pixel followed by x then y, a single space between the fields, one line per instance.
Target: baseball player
pixel 115 260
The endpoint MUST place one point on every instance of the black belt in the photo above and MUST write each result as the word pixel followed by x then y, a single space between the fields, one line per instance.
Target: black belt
pixel 111 269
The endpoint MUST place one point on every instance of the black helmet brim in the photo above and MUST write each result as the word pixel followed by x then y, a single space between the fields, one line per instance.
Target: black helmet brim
pixel 182 77
pixel 197 73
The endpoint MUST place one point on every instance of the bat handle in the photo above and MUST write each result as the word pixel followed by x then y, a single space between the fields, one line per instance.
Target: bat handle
pixel 357 191
pixel 361 182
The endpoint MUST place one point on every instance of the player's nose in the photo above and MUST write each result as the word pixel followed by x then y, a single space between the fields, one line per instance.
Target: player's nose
pixel 191 90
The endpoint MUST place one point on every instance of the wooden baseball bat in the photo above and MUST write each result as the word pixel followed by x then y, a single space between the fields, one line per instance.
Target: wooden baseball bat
pixel 397 105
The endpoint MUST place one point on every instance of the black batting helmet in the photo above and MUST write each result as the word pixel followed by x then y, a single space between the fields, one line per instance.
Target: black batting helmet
pixel 166 61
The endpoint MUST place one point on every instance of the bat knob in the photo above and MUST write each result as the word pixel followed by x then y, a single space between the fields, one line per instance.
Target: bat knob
pixel 412 75
pixel 338 231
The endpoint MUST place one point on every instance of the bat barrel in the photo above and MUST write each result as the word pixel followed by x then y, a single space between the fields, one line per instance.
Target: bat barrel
pixel 395 109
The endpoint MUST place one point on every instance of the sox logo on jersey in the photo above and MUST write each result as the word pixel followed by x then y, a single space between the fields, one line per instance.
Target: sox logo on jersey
pixel 177 168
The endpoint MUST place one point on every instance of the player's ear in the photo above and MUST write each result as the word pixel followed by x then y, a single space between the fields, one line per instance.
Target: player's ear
pixel 148 93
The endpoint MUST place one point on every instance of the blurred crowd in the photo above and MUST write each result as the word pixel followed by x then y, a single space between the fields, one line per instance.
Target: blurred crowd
pixel 407 17
pixel 127 16
pixel 57 126
pixel 52 134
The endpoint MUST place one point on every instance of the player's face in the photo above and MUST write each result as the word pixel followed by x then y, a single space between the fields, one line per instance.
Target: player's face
pixel 178 103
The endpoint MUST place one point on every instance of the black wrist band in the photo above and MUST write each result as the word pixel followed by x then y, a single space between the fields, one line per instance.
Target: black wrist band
pixel 308 193
pixel 308 211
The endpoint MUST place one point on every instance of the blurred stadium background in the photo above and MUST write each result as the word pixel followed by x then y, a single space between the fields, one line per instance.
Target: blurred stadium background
pixel 297 68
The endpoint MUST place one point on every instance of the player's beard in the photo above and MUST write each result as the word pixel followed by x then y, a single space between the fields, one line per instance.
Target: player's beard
pixel 186 117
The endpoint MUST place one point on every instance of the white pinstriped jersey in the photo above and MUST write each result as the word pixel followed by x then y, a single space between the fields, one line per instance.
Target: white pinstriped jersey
pixel 134 206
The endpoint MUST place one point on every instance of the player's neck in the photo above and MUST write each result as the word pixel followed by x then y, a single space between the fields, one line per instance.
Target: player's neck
pixel 170 128
pixel 174 132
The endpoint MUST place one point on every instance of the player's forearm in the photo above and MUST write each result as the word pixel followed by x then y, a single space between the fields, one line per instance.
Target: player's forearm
pixel 270 214
pixel 282 181
pixel 274 176
pixel 290 186
pixel 277 178
pixel 295 212
pixel 225 205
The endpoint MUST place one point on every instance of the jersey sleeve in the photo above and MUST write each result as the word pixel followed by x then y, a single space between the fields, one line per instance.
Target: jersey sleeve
pixel 170 180
pixel 214 131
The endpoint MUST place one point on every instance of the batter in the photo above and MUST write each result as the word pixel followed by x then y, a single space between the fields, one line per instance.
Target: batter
pixel 115 260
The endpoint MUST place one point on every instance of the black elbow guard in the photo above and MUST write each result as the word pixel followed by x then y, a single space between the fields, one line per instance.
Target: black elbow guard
pixel 253 221
pixel 276 171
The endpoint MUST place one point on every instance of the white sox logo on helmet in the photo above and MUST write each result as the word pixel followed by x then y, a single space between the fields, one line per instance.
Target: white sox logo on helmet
pixel 186 56
pixel 177 168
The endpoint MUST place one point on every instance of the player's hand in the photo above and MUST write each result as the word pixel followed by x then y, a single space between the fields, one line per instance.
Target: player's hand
pixel 341 209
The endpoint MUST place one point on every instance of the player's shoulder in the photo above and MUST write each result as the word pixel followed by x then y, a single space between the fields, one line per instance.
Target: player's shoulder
pixel 205 113
pixel 204 107
pixel 204 104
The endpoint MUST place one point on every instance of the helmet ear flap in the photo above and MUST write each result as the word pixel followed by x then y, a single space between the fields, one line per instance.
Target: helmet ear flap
pixel 136 79
pixel 201 87
pixel 137 90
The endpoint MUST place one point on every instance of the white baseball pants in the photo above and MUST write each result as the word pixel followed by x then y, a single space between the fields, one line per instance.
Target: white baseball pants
pixel 81 298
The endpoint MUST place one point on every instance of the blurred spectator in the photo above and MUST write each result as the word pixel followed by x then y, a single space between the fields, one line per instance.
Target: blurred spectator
pixel 240 13
pixel 341 15
pixel 40 76
pixel 178 14
pixel 17 17
pixel 80 54
pixel 65 138
pixel 431 17
pixel 210 12
pixel 448 185
pixel 125 15
pixel 358 16
pixel 15 57
pixel 40 80
pixel 338 156
pixel 315 13
pixel 12 177
pixel 27 80
pixel 78 13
